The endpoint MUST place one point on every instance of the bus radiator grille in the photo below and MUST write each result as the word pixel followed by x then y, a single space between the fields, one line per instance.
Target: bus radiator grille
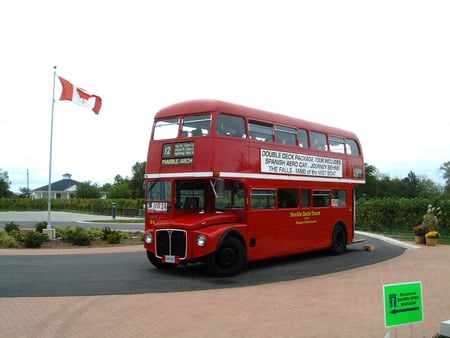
pixel 171 242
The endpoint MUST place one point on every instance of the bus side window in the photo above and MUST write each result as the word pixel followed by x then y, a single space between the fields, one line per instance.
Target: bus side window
pixel 286 135
pixel 306 198
pixel 287 198
pixel 261 131
pixel 337 144
pixel 352 147
pixel 319 141
pixel 321 198
pixel 263 199
pixel 303 138
pixel 232 126
pixel 339 198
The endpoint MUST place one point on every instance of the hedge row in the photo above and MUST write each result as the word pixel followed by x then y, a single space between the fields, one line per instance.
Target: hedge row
pixel 371 214
pixel 398 213
pixel 124 207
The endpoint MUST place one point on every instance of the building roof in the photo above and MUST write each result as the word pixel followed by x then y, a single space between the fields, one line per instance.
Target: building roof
pixel 61 185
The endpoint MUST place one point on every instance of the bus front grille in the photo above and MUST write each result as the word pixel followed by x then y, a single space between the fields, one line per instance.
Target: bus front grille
pixel 171 242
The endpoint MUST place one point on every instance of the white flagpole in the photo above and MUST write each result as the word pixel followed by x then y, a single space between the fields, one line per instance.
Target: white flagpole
pixel 49 221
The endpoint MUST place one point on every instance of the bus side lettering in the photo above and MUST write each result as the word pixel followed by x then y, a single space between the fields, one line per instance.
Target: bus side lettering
pixel 299 164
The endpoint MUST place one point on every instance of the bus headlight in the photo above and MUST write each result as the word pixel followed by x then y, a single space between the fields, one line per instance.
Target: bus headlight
pixel 201 240
pixel 148 238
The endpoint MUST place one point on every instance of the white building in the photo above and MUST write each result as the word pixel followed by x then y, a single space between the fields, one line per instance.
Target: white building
pixel 63 189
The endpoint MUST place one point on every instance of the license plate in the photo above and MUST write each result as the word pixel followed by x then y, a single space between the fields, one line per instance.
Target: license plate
pixel 170 259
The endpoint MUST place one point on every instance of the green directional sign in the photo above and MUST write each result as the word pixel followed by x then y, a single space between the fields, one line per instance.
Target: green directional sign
pixel 402 303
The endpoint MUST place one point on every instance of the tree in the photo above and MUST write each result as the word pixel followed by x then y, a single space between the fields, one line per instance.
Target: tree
pixel 24 193
pixel 87 190
pixel 4 184
pixel 426 188
pixel 445 168
pixel 137 181
pixel 411 182
pixel 370 188
pixel 121 190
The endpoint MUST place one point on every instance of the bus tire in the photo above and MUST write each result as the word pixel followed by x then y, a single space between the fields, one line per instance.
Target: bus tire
pixel 157 261
pixel 229 259
pixel 338 240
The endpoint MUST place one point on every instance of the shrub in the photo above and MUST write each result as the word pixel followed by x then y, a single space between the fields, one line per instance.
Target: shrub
pixel 114 237
pixel 40 226
pixel 11 227
pixel 106 231
pixel 34 239
pixel 6 240
pixel 17 235
pixel 95 233
pixel 79 236
pixel 59 232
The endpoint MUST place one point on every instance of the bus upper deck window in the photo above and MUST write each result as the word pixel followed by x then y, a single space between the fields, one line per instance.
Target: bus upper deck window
pixel 198 125
pixel 337 144
pixel 165 129
pixel 318 141
pixel 303 138
pixel 286 135
pixel 352 147
pixel 261 131
pixel 232 126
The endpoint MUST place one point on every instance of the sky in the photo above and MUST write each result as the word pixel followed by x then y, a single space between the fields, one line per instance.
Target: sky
pixel 378 68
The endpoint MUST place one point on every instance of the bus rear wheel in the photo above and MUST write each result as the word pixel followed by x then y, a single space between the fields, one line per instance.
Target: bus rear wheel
pixel 228 260
pixel 338 240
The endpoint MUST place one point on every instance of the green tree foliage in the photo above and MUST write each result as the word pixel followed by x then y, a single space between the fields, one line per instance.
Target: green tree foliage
pixel 445 168
pixel 120 190
pixel 382 186
pixel 4 184
pixel 87 190
pixel 371 186
pixel 137 180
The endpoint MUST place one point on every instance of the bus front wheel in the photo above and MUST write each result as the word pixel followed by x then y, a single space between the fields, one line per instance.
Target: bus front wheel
pixel 338 240
pixel 228 260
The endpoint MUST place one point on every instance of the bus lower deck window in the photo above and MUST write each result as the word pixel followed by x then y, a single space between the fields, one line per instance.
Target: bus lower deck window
pixel 321 198
pixel 263 199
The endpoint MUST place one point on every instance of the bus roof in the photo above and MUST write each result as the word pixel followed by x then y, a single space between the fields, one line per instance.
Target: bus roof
pixel 206 105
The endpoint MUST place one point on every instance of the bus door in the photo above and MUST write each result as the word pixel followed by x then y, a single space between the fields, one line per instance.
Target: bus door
pixel 272 223
pixel 293 231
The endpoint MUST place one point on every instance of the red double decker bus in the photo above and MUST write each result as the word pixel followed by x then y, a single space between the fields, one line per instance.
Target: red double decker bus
pixel 227 184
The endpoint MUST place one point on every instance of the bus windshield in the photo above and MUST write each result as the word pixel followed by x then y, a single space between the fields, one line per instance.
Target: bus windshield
pixel 158 195
pixel 202 194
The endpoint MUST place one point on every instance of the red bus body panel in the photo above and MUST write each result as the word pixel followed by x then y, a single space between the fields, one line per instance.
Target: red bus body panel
pixel 266 233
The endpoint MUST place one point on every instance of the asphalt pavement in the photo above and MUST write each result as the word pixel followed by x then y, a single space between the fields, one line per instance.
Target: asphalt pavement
pixel 28 220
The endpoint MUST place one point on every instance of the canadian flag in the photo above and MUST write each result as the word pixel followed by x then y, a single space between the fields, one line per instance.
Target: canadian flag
pixel 79 96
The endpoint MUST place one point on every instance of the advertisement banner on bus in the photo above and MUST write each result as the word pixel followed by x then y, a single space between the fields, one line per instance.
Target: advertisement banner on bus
pixel 281 162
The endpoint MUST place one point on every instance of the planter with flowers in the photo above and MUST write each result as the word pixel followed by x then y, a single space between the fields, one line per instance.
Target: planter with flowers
pixel 419 234
pixel 431 238
pixel 430 225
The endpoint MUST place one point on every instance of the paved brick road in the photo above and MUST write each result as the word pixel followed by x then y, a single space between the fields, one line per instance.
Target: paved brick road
pixel 343 304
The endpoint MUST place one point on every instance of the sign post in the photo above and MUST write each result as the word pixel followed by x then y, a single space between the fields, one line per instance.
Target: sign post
pixel 402 303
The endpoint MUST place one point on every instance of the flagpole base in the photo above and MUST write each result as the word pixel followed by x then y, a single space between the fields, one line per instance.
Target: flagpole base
pixel 51 233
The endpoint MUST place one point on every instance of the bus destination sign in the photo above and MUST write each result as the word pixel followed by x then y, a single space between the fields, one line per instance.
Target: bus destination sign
pixel 178 153
pixel 280 162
